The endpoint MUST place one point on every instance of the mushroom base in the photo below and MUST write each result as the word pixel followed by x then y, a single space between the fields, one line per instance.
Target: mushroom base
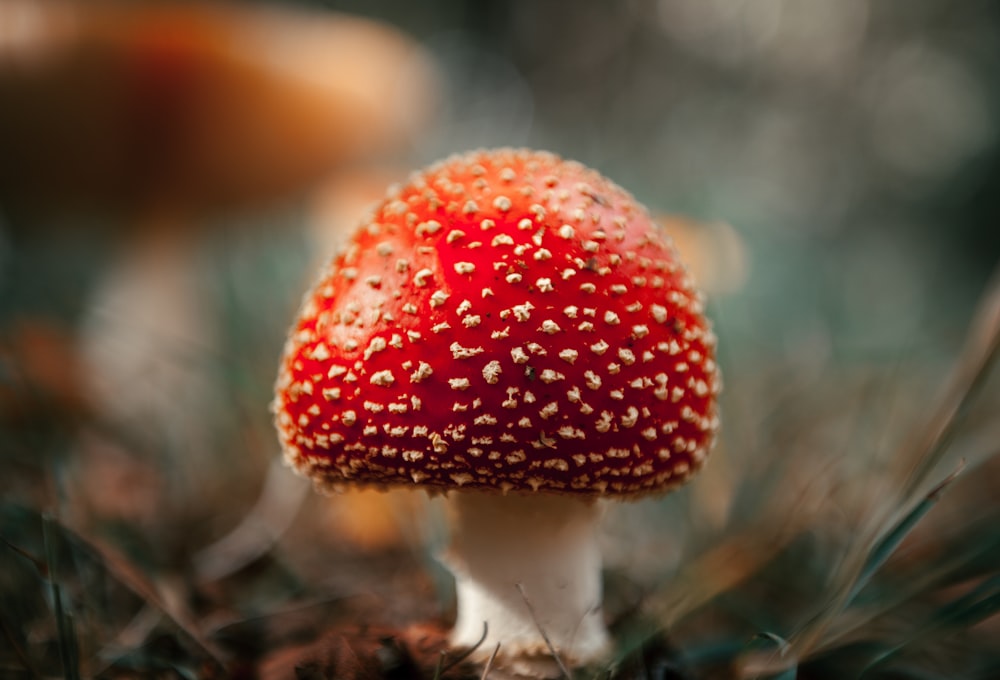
pixel 524 565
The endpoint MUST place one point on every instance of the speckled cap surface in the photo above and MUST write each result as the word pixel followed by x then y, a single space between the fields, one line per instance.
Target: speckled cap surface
pixel 504 320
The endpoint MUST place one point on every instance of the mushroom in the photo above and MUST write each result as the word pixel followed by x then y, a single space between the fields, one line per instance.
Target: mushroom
pixel 195 109
pixel 163 123
pixel 510 329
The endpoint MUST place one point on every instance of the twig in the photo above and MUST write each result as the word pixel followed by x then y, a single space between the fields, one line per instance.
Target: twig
pixel 489 663
pixel 548 643
pixel 38 564
pixel 442 668
pixel 174 611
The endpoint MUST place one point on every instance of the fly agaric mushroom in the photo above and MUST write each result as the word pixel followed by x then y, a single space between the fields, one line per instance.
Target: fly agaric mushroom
pixel 513 328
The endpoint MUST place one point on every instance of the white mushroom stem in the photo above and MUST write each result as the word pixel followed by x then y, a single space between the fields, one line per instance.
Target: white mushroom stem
pixel 524 565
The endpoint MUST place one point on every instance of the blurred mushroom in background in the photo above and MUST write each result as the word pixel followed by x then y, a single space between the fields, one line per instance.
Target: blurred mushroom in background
pixel 156 122
pixel 195 108
pixel 715 252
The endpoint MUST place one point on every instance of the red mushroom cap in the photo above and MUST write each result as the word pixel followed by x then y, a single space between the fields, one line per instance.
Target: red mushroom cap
pixel 505 320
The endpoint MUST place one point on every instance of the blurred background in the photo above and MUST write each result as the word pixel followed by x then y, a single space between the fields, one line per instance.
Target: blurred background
pixel 173 174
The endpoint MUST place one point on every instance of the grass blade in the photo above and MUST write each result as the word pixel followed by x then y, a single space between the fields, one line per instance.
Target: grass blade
pixel 981 348
pixel 68 652
pixel 887 545
pixel 979 604
pixel 767 655
pixel 930 443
